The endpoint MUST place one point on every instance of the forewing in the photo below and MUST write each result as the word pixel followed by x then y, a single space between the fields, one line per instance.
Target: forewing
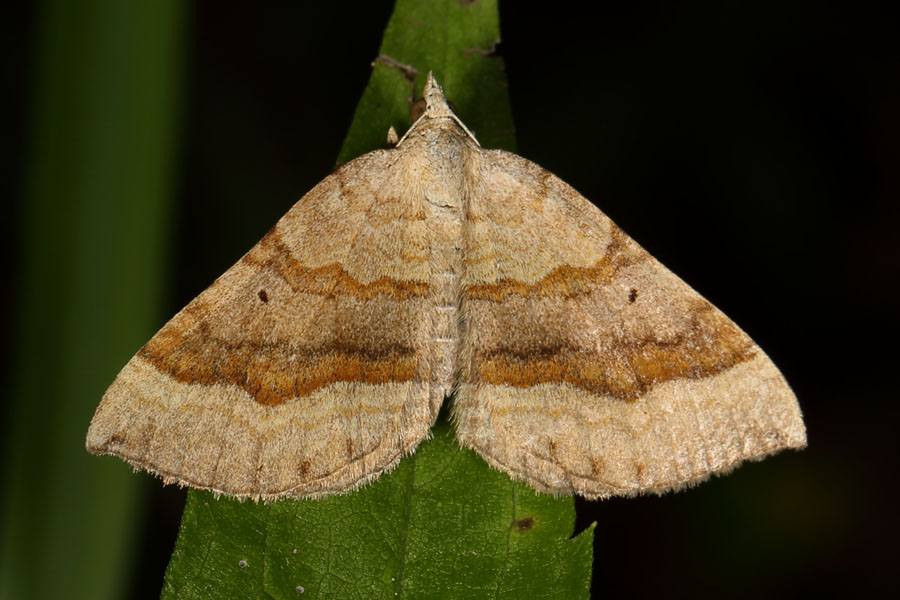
pixel 301 370
pixel 587 366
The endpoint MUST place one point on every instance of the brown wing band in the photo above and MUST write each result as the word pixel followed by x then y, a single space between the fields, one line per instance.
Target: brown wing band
pixel 274 371
pixel 629 369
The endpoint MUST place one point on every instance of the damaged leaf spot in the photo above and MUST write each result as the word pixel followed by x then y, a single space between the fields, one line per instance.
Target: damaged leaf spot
pixel 524 525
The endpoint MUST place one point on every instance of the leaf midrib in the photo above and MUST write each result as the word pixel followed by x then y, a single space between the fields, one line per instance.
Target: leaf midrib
pixel 407 519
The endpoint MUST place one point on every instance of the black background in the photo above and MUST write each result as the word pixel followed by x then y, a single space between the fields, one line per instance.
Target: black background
pixel 750 146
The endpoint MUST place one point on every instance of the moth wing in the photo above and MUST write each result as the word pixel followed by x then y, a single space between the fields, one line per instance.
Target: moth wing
pixel 587 366
pixel 301 371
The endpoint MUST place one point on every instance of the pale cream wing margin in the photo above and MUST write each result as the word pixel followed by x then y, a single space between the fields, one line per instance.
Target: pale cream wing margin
pixel 302 370
pixel 587 366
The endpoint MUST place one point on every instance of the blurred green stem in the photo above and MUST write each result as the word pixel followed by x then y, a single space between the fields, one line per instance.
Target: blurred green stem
pixel 104 105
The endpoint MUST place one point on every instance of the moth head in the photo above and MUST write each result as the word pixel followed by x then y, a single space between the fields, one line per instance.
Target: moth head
pixel 432 109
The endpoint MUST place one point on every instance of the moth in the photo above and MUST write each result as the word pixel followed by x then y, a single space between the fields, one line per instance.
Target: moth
pixel 575 361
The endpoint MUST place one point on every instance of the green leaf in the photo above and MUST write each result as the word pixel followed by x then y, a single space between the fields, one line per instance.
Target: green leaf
pixel 443 524
pixel 453 40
